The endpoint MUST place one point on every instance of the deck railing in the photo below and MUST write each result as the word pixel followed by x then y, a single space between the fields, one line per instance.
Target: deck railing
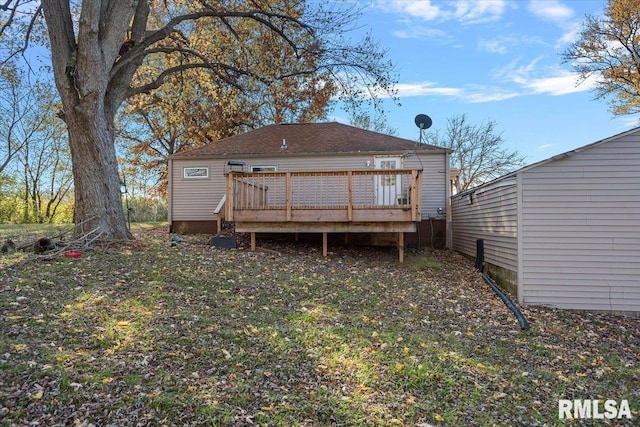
pixel 325 196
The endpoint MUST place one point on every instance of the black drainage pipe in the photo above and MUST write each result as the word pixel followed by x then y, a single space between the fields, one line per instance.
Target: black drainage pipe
pixel 523 322
pixel 480 266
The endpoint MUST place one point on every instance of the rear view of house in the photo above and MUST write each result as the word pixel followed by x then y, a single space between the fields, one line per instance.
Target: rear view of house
pixel 312 177
pixel 564 232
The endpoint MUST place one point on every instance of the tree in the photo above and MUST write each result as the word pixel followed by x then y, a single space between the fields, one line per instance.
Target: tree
pixel 476 151
pixel 377 122
pixel 607 49
pixel 98 47
pixel 193 107
pixel 44 160
pixel 16 104
pixel 34 145
pixel 10 202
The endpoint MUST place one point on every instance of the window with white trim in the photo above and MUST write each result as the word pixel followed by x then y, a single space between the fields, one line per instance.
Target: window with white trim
pixel 195 173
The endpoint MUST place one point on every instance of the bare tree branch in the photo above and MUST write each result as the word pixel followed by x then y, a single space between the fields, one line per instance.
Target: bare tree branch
pixel 477 151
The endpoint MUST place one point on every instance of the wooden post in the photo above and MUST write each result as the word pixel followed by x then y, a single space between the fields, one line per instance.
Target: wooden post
pixel 230 202
pixel 418 195
pixel 253 241
pixel 401 246
pixel 324 244
pixel 350 193
pixel 413 196
pixel 288 198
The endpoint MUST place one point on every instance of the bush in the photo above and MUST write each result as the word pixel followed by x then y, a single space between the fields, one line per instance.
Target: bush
pixel 11 209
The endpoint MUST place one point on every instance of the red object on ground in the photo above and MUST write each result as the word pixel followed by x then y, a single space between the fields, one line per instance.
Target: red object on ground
pixel 72 254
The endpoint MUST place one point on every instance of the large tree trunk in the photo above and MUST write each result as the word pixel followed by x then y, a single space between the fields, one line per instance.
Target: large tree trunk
pixel 95 173
pixel 82 64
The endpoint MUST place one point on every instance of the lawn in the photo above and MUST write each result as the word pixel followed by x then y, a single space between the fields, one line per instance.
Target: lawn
pixel 146 334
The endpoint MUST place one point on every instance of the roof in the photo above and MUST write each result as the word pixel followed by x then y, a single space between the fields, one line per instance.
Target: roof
pixel 306 138
pixel 548 160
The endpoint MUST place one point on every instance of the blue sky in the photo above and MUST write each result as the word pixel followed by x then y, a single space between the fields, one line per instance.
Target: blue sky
pixel 493 60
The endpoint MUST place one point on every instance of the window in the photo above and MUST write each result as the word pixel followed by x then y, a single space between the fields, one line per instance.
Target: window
pixel 389 164
pixel 195 172
pixel 264 168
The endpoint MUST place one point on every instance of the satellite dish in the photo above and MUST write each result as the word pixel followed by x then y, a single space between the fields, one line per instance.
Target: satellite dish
pixel 423 121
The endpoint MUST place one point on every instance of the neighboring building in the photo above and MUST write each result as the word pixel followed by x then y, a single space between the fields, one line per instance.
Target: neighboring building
pixel 563 232
pixel 197 177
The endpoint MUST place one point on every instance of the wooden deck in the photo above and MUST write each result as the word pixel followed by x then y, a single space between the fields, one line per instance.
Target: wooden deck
pixel 347 201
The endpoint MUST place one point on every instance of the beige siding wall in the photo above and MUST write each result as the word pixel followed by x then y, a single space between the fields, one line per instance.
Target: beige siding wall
pixel 581 229
pixel 196 199
pixel 490 213
pixel 434 183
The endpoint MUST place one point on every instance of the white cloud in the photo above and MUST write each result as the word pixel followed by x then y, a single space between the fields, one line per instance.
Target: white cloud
pixel 559 85
pixel 414 31
pixel 470 95
pixel 417 9
pixel 465 11
pixel 490 95
pixel 516 73
pixel 502 44
pixel 550 80
pixel 571 34
pixel 559 14
pixel 544 147
pixel 562 83
pixel 493 46
pixel 474 12
pixel 551 10
pixel 426 89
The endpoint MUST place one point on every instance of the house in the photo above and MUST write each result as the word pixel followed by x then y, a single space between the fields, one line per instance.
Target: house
pixel 339 162
pixel 563 232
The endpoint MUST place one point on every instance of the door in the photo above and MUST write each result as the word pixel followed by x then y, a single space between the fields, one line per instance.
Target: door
pixel 388 187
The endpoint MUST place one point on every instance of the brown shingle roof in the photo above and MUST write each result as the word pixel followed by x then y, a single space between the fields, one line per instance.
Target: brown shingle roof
pixel 306 138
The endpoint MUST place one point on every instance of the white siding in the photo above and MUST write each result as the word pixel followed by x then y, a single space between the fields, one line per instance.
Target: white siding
pixel 581 229
pixel 490 213
pixel 196 199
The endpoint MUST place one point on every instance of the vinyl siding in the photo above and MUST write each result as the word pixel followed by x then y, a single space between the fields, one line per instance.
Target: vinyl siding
pixel 581 229
pixel 435 182
pixel 490 213
pixel 196 199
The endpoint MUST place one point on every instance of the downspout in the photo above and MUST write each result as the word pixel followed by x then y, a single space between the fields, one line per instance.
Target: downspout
pixel 480 267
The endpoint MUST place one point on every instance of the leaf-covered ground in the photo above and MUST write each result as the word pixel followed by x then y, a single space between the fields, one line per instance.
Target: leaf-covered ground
pixel 149 334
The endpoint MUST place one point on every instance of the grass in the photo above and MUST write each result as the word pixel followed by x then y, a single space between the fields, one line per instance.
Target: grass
pixel 150 334
pixel 30 232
